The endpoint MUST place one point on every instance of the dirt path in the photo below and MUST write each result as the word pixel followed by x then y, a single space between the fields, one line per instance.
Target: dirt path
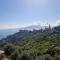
pixel 1 52
pixel 3 56
pixel 6 58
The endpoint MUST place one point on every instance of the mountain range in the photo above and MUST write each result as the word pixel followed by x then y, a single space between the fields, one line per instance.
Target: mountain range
pixel 32 44
pixel 5 32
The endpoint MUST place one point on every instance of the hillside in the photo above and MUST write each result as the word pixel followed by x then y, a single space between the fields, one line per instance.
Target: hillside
pixel 33 45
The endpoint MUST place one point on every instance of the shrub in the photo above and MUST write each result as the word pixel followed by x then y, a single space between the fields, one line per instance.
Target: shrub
pixel 15 54
pixel 48 57
pixel 25 57
pixel 9 49
pixel 40 58
pixel 57 57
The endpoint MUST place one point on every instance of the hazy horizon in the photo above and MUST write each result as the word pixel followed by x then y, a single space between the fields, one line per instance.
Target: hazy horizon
pixel 22 13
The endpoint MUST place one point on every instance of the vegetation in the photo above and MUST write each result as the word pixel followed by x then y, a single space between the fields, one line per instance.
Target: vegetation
pixel 33 45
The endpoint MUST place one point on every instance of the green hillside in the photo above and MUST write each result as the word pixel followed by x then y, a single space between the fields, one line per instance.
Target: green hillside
pixel 33 45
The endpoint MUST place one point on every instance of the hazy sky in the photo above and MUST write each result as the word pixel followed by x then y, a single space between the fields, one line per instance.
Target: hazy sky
pixel 19 13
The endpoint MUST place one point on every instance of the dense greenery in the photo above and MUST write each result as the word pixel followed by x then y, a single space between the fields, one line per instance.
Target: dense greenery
pixel 33 45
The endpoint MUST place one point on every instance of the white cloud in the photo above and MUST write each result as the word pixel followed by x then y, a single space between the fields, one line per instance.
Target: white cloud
pixel 55 22
pixel 47 22
pixel 41 22
pixel 58 22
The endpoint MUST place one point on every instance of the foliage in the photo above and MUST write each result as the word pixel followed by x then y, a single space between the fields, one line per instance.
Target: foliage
pixel 33 45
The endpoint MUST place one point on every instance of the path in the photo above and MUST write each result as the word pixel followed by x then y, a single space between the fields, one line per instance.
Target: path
pixel 6 58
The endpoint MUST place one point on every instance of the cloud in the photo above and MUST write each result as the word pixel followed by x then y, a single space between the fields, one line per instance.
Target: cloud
pixel 41 22
pixel 58 22
pixel 47 22
pixel 55 22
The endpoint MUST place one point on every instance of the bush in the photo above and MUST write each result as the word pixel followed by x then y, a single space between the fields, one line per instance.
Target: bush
pixel 9 49
pixel 57 57
pixel 15 54
pixel 51 51
pixel 40 58
pixel 25 57
pixel 48 57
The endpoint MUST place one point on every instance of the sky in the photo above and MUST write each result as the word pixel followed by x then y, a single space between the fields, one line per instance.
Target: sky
pixel 21 13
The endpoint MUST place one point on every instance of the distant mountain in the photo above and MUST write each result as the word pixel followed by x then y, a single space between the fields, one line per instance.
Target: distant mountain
pixel 37 27
pixel 5 32
pixel 24 34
